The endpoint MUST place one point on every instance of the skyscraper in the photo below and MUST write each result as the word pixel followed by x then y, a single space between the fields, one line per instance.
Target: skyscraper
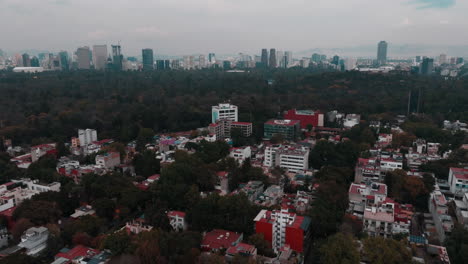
pixel 427 66
pixel 34 62
pixel 148 59
pixel 382 53
pixel 64 64
pixel 336 60
pixel 272 62
pixel 82 56
pixel 26 60
pixel 212 58
pixel 443 59
pixel 117 57
pixel 316 57
pixel 202 61
pixel 288 55
pixel 264 60
pixel 100 56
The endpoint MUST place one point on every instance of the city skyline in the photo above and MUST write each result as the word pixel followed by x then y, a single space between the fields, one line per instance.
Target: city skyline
pixel 413 22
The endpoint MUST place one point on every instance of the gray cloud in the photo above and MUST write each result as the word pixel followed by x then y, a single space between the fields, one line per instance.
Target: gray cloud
pixel 423 4
pixel 227 26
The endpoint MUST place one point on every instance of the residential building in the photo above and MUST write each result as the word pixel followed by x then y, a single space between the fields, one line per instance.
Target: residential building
pixel 387 218
pixel 77 255
pixel 83 58
pixel 361 195
pixel 34 240
pixel 307 117
pixel 218 240
pixel 240 154
pixel 244 127
pixel 42 150
pixel 224 111
pixel 281 228
pixel 108 160
pixel 222 182
pixel 100 57
pixel 177 220
pixel 351 120
pixel 382 53
pixel 223 127
pixel 271 196
pixel 87 136
pixel 293 158
pixel 253 189
pixel 289 129
pixel 461 210
pixel 458 181
pixel 242 249
pixel 137 226
pixel 82 211
pixel 148 59
pixel 438 207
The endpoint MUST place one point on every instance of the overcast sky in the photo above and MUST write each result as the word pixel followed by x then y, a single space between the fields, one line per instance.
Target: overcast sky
pixel 229 26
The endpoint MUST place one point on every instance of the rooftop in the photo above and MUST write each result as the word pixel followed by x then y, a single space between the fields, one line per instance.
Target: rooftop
pixel 218 239
pixel 284 122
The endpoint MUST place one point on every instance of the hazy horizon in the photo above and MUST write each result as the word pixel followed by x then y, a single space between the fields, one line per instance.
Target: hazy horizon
pixel 178 27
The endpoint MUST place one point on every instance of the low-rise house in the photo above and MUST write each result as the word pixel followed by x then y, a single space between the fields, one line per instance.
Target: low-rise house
pixel 108 160
pixel 438 207
pixel 177 220
pixel 458 181
pixel 271 196
pixel 137 226
pixel 241 249
pixel 34 240
pixel 77 255
pixel 351 120
pixel 252 190
pixel 219 239
pixel 240 154
pixel 461 210
pixel 82 211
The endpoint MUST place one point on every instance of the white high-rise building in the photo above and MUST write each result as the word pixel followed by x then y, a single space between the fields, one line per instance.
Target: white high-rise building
pixel 224 111
pixel 350 64
pixel 442 59
pixel 86 136
pixel 83 58
pixel 100 56
pixel 292 158
pixel 202 61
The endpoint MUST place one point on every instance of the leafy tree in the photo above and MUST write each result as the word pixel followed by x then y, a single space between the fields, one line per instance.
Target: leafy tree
pixel 104 208
pixel 340 248
pixel 379 250
pixel 457 245
pixel 118 243
pixel 263 246
pixel 146 163
pixel 38 212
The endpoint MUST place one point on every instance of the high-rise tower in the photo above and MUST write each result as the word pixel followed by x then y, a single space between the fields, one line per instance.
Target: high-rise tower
pixel 148 59
pixel 264 59
pixel 272 62
pixel 100 56
pixel 382 53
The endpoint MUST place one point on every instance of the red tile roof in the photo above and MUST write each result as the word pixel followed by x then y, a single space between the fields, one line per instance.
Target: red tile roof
pixel 219 239
pixel 78 251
